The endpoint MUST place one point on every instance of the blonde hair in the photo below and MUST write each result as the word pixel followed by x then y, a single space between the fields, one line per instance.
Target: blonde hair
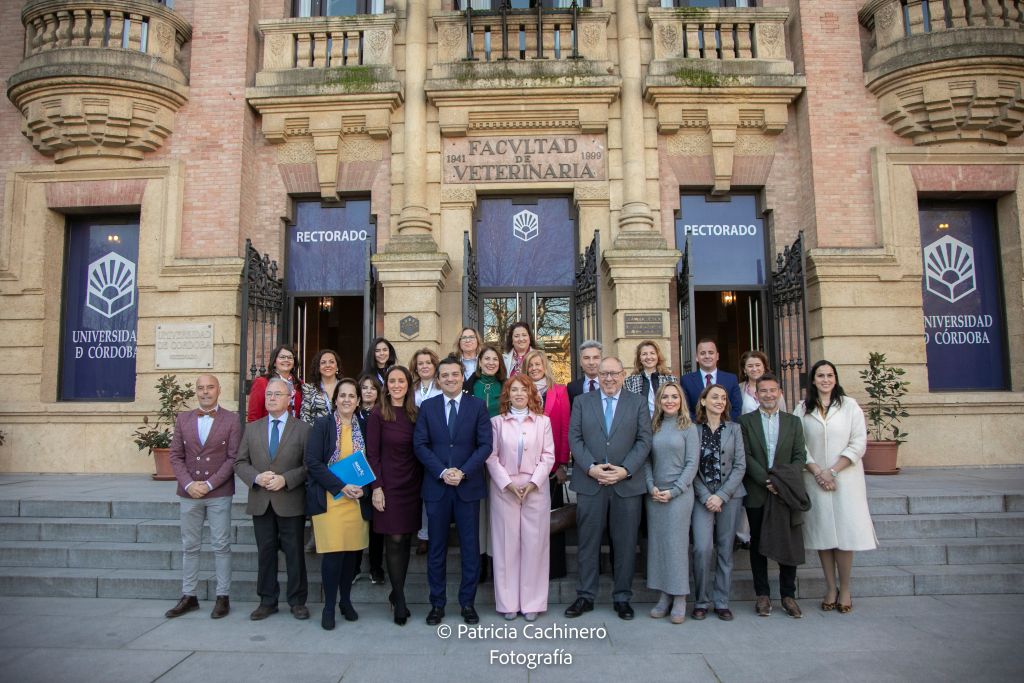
pixel 638 367
pixel 682 419
pixel 548 374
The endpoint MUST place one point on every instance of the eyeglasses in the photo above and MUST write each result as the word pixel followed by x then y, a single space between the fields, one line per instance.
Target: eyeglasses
pixel 276 394
pixel 467 338
pixel 609 375
pixel 284 357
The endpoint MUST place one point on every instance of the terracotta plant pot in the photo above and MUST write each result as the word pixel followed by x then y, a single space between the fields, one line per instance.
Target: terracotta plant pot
pixel 162 458
pixel 880 457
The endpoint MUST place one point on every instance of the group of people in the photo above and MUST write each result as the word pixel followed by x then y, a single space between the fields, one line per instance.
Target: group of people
pixel 482 439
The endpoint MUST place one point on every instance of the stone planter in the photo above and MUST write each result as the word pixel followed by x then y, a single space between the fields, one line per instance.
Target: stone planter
pixel 880 457
pixel 162 459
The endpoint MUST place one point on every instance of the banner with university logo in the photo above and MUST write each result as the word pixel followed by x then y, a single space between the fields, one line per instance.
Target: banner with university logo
pixel 327 248
pixel 526 244
pixel 98 345
pixel 962 298
pixel 727 239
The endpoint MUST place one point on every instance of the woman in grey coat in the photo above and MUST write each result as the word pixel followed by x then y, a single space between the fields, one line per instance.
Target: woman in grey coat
pixel 719 490
pixel 669 474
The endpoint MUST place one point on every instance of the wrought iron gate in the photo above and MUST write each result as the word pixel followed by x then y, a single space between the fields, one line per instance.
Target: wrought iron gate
pixel 470 286
pixel 587 294
pixel 687 320
pixel 262 317
pixel 790 347
pixel 369 300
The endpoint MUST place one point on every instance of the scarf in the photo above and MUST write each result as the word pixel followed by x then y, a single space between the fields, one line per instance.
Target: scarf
pixel 357 440
pixel 517 362
pixel 542 385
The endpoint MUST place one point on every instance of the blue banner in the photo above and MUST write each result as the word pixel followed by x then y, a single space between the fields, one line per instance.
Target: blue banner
pixel 526 244
pixel 327 248
pixel 727 240
pixel 101 300
pixel 962 298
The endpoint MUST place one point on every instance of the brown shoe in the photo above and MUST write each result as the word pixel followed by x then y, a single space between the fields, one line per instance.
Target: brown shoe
pixel 262 612
pixel 725 614
pixel 763 606
pixel 421 547
pixel 300 612
pixel 790 607
pixel 184 606
pixel 221 607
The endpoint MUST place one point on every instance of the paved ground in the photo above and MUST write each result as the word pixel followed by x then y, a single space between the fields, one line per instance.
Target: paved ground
pixel 950 638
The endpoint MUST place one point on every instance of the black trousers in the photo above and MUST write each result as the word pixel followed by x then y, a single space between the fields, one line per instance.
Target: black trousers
pixel 275 533
pixel 376 552
pixel 759 563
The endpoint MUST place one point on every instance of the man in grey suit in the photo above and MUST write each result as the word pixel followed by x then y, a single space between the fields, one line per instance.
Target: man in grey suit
pixel 610 438
pixel 270 463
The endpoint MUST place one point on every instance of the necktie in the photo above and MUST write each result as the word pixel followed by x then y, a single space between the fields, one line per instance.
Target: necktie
pixel 707 381
pixel 609 413
pixel 452 414
pixel 275 437
pixel 592 386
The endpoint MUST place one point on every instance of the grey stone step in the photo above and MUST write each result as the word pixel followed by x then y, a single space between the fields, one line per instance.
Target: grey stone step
pixel 169 531
pixel 967 579
pixel 67 529
pixel 949 525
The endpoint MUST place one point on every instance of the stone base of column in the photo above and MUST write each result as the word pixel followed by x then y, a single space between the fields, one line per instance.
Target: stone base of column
pixel 412 281
pixel 641 282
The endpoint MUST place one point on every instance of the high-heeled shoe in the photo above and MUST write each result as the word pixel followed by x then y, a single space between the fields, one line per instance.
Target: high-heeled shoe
pixel 401 612
pixel 327 618
pixel 827 606
pixel 844 609
pixel 349 612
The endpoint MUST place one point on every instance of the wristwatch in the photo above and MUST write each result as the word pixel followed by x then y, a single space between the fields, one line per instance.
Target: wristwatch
pixel 835 475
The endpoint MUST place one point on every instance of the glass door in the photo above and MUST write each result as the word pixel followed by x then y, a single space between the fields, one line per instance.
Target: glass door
pixel 549 315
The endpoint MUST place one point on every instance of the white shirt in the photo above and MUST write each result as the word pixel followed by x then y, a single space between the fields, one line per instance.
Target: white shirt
pixel 432 390
pixel 270 425
pixel 586 384
pixel 205 424
pixel 704 376
pixel 470 365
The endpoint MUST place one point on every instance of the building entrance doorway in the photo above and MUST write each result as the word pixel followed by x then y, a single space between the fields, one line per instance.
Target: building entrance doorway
pixel 547 313
pixel 329 322
pixel 734 320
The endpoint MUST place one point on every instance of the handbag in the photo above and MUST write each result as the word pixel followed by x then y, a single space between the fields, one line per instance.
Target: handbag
pixel 563 518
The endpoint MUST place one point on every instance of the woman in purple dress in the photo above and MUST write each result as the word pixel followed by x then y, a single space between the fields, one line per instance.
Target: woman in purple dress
pixel 396 491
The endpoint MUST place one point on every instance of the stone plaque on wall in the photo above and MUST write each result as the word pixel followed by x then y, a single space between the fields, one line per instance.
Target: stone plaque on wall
pixel 184 345
pixel 643 325
pixel 525 159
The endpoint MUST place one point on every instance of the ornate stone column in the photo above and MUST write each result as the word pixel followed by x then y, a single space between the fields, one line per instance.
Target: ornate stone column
pixel 411 268
pixel 639 267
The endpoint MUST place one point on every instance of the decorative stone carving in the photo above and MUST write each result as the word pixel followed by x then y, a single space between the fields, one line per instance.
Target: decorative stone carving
pixel 771 38
pixel 590 36
pixel 886 16
pixel 359 148
pixel 458 194
pixel 93 88
pixel 668 40
pixel 299 151
pixel 686 144
pixel 755 145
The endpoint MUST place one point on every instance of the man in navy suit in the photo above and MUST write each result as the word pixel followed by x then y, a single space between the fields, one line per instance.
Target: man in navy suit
pixel 590 363
pixel 453 440
pixel 708 374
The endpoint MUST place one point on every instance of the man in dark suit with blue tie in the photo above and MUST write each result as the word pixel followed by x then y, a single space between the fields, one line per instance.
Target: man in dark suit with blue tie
pixel 707 373
pixel 453 440
pixel 610 437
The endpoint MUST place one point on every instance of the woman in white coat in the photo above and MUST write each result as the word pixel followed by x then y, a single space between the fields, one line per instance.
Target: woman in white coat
pixel 838 522
pixel 523 455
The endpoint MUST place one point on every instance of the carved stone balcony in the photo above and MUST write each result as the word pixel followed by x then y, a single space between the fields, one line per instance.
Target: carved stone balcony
pixel 720 78
pixel 326 89
pixel 99 77
pixel 947 70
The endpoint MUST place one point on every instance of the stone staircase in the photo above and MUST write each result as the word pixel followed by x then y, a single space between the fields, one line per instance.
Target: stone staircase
pixel 123 542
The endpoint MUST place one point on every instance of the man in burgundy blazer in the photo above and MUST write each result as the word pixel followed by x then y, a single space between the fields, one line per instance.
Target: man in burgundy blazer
pixel 203 450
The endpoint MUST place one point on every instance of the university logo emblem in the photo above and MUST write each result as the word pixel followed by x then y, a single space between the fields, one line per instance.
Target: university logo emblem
pixel 111 285
pixel 525 225
pixel 949 269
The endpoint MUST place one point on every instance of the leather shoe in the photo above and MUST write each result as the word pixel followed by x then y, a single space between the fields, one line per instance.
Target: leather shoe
pixel 349 612
pixel 469 615
pixel 623 609
pixel 725 614
pixel 763 606
pixel 300 612
pixel 184 606
pixel 435 616
pixel 327 618
pixel 262 612
pixel 221 607
pixel 377 576
pixel 790 607
pixel 699 613
pixel 577 608
pixel 421 547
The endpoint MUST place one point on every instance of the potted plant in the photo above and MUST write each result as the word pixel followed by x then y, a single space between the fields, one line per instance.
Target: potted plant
pixel 156 436
pixel 885 387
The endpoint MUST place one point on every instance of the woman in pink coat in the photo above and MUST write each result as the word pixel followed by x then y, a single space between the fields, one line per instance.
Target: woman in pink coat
pixel 524 452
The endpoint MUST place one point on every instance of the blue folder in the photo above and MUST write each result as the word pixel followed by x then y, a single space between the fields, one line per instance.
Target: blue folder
pixel 353 470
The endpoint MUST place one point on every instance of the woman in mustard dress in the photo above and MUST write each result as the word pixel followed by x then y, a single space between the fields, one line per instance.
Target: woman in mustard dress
pixel 340 511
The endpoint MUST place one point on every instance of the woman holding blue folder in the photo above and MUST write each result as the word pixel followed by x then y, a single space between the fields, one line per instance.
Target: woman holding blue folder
pixel 340 511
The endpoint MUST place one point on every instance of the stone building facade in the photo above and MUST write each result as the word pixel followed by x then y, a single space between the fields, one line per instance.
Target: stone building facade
pixel 816 178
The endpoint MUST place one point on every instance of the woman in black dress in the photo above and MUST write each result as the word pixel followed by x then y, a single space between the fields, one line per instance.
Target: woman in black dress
pixel 396 491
